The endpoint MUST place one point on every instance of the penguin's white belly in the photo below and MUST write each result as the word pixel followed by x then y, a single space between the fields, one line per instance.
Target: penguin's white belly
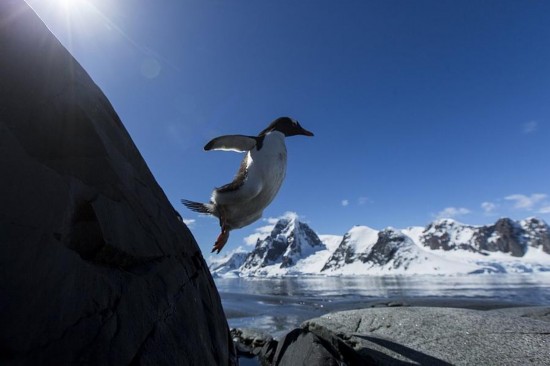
pixel 266 172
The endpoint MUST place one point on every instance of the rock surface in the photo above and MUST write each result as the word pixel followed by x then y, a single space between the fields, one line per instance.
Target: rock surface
pixel 318 347
pixel 442 336
pixel 533 312
pixel 253 343
pixel 95 267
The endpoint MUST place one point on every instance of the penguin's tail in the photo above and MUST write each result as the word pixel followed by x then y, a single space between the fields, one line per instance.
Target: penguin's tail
pixel 204 208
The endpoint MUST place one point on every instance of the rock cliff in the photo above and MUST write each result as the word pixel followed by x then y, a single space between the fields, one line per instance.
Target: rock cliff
pixel 95 267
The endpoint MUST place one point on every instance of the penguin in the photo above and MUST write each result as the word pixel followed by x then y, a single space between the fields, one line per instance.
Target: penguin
pixel 259 178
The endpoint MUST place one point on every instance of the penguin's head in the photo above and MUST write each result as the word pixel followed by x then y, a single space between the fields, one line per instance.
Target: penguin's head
pixel 287 126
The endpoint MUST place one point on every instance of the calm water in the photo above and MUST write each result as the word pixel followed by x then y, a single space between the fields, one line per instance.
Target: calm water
pixel 281 304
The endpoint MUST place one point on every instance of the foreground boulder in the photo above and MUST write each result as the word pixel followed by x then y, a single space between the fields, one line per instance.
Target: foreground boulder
pixel 439 336
pixel 318 347
pixel 95 267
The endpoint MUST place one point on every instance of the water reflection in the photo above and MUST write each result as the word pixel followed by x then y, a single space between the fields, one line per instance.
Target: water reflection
pixel 277 305
pixel 500 286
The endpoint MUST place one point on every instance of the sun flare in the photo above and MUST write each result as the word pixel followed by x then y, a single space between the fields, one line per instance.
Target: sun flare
pixel 79 16
pixel 70 5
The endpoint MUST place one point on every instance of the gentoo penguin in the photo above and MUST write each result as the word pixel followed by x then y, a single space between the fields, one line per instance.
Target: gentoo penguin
pixel 258 180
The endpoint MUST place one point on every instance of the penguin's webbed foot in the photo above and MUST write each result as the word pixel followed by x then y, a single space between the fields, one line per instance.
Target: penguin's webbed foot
pixel 224 235
pixel 221 241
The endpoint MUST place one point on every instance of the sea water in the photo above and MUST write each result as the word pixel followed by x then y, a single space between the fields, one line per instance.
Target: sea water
pixel 277 305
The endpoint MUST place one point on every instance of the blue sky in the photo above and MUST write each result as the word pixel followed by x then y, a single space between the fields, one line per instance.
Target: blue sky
pixel 420 109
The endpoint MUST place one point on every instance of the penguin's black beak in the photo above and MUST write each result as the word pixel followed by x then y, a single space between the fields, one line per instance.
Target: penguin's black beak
pixel 305 132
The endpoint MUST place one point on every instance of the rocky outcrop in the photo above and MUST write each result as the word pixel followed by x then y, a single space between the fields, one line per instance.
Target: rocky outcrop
pixel 386 248
pixel 356 243
pixel 251 343
pixel 95 266
pixel 319 347
pixel 435 336
pixel 344 254
pixel 369 249
pixel 537 233
pixel 504 236
pixel 448 235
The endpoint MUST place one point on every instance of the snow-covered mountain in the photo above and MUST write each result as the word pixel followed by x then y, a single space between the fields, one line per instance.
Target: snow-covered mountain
pixel 443 247
pixel 367 251
pixel 504 236
pixel 289 242
pixel 231 262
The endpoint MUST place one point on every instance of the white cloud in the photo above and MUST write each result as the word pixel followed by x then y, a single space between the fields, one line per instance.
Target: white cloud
pixel 189 222
pixel 452 212
pixel 263 231
pixel 207 216
pixel 488 207
pixel 259 233
pixel 530 127
pixel 523 202
pixel 362 200
pixel 544 210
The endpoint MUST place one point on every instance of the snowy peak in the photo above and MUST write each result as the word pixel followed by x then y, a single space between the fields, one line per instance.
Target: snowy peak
pixel 231 262
pixel 364 249
pixel 447 234
pixel 506 236
pixel 386 248
pixel 537 233
pixel 289 241
pixel 357 241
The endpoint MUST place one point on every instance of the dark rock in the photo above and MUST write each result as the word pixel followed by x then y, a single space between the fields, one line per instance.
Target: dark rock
pixel 505 236
pixel 387 245
pixel 320 347
pixel 442 241
pixel 267 352
pixel 537 233
pixel 390 249
pixel 437 235
pixel 254 343
pixel 96 268
pixel 394 304
pixel 251 338
pixel 343 254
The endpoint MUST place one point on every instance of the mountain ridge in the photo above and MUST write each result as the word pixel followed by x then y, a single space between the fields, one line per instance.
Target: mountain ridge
pixel 444 246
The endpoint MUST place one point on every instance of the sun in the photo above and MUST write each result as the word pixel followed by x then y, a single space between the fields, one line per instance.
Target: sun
pixel 80 16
